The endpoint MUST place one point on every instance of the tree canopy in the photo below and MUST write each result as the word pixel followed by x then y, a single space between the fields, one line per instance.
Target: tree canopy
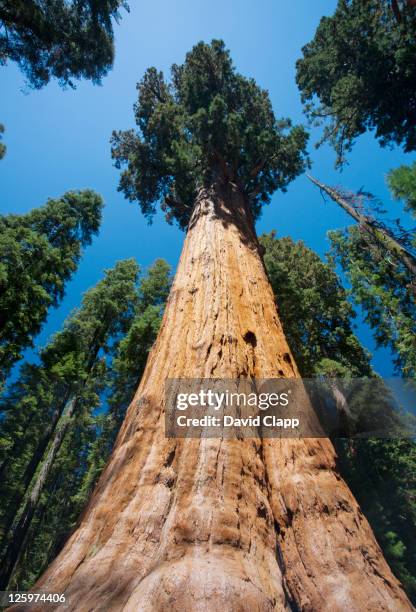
pixel 208 123
pixel 402 183
pixel 314 310
pixel 379 284
pixel 65 39
pixel 39 252
pixel 358 73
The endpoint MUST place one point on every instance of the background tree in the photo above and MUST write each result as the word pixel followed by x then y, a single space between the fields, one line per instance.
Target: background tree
pixel 59 38
pixel 318 322
pixel 382 475
pixel 32 410
pixel 379 260
pixel 379 286
pixel 313 306
pixel 225 523
pixel 402 183
pixel 358 74
pixel 74 358
pixel 395 241
pixel 39 252
pixel 127 367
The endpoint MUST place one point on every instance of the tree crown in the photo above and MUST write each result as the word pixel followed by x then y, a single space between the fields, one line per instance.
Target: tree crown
pixel 358 73
pixel 104 314
pixel 208 123
pixel 39 252
pixel 380 285
pixel 314 310
pixel 65 39
pixel 402 184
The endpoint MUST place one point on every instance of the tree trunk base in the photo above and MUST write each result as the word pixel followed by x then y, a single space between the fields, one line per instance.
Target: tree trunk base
pixel 211 524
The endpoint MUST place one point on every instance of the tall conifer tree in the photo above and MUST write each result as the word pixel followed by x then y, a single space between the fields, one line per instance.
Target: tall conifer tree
pixel 380 262
pixel 39 252
pixel 71 373
pixel 29 410
pixel 247 524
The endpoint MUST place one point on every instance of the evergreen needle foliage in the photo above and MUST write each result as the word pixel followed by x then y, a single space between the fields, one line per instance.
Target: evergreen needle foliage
pixel 65 39
pixel 39 252
pixel 73 367
pixel 314 310
pixel 359 71
pixel 207 124
pixel 380 286
pixel 402 183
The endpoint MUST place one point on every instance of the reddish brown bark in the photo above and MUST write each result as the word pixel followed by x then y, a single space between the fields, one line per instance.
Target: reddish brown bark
pixel 212 524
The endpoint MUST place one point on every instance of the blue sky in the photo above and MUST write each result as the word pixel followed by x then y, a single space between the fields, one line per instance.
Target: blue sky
pixel 58 139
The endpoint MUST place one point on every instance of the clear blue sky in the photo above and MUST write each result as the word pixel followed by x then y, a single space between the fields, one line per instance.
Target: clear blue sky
pixel 58 140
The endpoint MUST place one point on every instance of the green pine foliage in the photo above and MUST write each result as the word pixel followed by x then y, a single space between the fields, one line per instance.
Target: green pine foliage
pixel 402 184
pixel 382 476
pixel 98 359
pixel 207 124
pixel 358 74
pixel 318 322
pixel 313 308
pixel 380 285
pixel 62 39
pixel 39 252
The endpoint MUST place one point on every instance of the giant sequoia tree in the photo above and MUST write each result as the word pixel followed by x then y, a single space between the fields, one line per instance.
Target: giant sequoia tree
pixel 59 38
pixel 358 73
pixel 183 524
pixel 39 252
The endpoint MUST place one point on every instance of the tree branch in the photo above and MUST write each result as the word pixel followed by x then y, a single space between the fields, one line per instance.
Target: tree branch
pixel 382 236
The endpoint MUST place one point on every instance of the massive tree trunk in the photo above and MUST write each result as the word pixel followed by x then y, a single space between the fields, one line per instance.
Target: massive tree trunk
pixel 212 524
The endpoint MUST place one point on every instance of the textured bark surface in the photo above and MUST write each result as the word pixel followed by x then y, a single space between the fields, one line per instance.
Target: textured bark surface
pixel 212 524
